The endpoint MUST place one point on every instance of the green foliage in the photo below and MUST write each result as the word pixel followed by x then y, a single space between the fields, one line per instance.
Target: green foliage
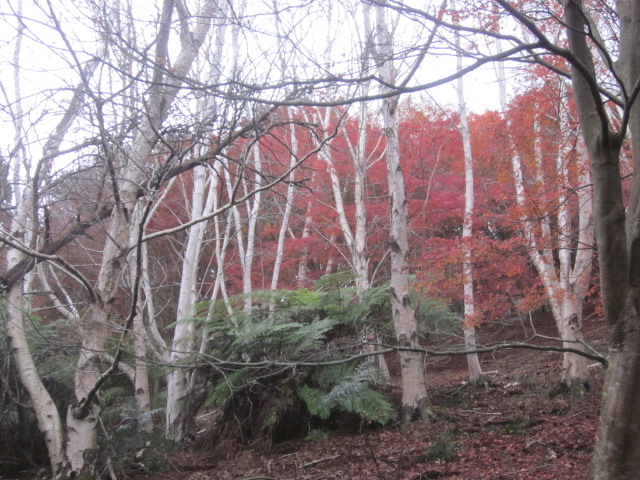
pixel 349 391
pixel 49 344
pixel 227 387
pixel 109 394
pixel 131 450
pixel 52 347
pixel 375 308
pixel 335 281
pixel 440 450
pixel 443 448
pixel 290 327
pixel 301 328
pixel 434 316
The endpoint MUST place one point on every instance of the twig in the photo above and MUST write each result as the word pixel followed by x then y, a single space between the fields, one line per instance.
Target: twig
pixel 315 462
pixel 480 413
pixel 373 454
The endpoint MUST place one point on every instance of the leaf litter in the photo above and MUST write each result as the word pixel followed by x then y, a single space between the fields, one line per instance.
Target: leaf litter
pixel 509 430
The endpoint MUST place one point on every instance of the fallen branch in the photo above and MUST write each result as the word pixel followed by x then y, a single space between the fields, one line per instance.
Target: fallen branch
pixel 315 462
pixel 219 363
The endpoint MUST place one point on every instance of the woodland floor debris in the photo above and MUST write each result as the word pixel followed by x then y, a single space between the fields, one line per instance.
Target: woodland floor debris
pixel 512 430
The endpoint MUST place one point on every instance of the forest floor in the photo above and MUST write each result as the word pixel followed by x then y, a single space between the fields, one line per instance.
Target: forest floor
pixel 509 430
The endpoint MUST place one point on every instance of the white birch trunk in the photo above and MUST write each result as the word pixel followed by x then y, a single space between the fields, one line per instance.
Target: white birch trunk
pixel 67 309
pixel 355 241
pixel 23 228
pixel 253 208
pixel 141 385
pixel 566 287
pixel 141 374
pixel 94 328
pixel 328 269
pixel 161 350
pixel 47 415
pixel 287 212
pixel 574 275
pixel 468 325
pixel 414 386
pixel 220 250
pixel 183 345
pixel 303 264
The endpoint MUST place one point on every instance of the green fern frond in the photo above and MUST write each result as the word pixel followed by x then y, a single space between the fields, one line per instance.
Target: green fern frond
pixel 334 281
pixel 316 401
pixel 350 393
pixel 225 389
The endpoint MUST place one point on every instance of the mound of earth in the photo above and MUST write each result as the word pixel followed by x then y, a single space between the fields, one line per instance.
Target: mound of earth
pixel 511 430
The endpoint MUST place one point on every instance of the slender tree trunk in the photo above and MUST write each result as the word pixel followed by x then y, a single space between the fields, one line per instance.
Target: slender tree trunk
pixel 67 309
pixel 328 269
pixel 141 386
pixel 23 228
pixel 469 321
pixel 253 210
pixel 47 414
pixel 141 373
pixel 303 264
pixel 287 211
pixel 566 287
pixel 356 243
pixel 178 413
pixel 161 350
pixel 414 386
pixel 575 259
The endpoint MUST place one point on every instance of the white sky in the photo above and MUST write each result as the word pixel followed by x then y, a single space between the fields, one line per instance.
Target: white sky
pixel 45 61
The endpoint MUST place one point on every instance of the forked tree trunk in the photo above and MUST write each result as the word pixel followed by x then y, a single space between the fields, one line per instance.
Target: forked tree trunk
pixel 82 417
pixel 575 262
pixel 23 228
pixel 47 414
pixel 356 242
pixel 566 287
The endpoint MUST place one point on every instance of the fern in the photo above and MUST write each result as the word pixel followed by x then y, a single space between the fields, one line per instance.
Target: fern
pixel 351 393
pixel 316 401
pixel 335 281
pixel 227 387
pixel 301 327
pixel 375 307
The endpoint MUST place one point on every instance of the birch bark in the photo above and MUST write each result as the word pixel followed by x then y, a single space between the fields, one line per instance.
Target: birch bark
pixel 565 287
pixel 23 231
pixel 184 334
pixel 287 210
pixel 468 325
pixel 414 386
pixel 82 418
